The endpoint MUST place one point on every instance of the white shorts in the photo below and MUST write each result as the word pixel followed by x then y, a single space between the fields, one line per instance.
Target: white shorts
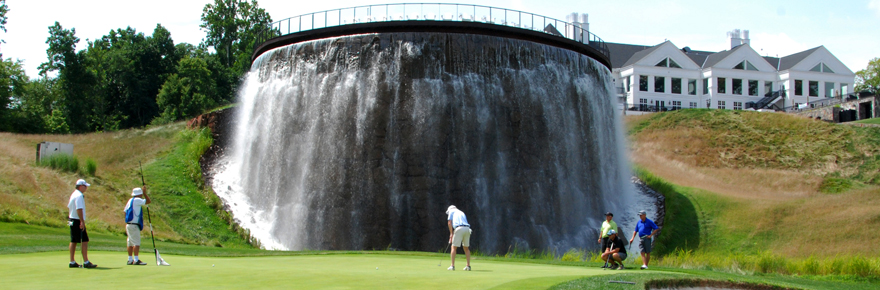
pixel 134 235
pixel 461 237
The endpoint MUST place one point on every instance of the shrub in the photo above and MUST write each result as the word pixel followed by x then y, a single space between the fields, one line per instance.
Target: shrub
pixel 91 167
pixel 61 162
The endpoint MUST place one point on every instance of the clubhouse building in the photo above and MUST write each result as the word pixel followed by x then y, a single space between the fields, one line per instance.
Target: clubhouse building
pixel 666 77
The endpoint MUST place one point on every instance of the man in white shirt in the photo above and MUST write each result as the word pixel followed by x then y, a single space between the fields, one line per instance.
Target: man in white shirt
pixel 459 234
pixel 77 223
pixel 134 220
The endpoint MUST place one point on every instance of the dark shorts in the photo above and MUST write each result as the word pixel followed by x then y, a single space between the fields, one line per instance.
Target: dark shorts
pixel 645 244
pixel 77 235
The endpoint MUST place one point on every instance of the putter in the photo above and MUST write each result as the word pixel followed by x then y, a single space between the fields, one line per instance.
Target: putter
pixel 610 256
pixel 444 252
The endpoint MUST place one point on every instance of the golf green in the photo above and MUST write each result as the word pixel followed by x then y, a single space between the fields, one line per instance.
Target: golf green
pixel 49 270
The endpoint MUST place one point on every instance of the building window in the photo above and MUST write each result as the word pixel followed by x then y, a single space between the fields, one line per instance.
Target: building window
pixel 737 86
pixel 721 105
pixel 676 85
pixel 737 105
pixel 745 65
pixel 668 62
pixel 643 104
pixel 821 67
pixel 676 105
pixel 768 88
pixel 844 88
pixel 628 83
pixel 798 87
pixel 829 90
pixel 692 87
pixel 705 86
pixel 753 88
pixel 659 84
pixel 643 83
pixel 814 88
pixel 722 85
pixel 693 105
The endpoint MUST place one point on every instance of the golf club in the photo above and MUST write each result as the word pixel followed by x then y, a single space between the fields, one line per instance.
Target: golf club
pixel 444 252
pixel 609 256
pixel 159 260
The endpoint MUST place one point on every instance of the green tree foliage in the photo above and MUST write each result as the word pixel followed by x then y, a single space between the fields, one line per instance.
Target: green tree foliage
pixel 3 10
pixel 13 81
pixel 74 80
pixel 232 27
pixel 189 92
pixel 868 79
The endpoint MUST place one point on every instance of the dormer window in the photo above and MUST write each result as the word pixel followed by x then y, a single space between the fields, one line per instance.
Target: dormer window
pixel 745 65
pixel 821 67
pixel 668 62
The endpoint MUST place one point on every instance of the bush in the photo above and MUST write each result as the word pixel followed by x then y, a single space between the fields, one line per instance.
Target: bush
pixel 61 162
pixel 91 167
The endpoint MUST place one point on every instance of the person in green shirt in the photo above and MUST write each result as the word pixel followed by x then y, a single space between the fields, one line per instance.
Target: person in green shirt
pixel 607 225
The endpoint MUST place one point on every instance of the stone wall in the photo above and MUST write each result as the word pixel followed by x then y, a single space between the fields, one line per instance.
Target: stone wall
pixel 832 113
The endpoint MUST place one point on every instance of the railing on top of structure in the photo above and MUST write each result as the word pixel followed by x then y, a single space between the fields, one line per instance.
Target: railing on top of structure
pixel 432 12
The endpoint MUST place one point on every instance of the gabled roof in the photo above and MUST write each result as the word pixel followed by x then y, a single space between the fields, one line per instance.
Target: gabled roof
pixel 621 53
pixel 773 61
pixel 713 59
pixel 787 62
pixel 698 56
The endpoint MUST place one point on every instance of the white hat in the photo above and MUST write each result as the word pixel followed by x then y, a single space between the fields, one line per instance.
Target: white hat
pixel 82 182
pixel 450 209
pixel 136 191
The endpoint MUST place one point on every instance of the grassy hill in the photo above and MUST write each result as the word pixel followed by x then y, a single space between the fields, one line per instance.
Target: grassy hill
pixel 183 209
pixel 763 192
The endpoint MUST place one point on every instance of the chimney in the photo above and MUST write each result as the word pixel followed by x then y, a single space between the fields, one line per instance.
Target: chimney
pixel 735 38
pixel 580 27
pixel 745 37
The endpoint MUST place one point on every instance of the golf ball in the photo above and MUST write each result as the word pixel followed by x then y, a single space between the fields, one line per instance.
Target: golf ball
pixel 212 265
pixel 377 268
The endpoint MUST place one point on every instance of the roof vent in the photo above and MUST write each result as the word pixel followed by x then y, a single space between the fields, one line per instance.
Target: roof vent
pixel 686 49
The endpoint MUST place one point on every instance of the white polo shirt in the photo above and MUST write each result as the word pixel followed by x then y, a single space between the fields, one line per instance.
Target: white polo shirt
pixel 458 219
pixel 76 202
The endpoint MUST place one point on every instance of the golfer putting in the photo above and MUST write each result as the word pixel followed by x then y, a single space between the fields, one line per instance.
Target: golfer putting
pixel 134 223
pixel 459 235
pixel 616 252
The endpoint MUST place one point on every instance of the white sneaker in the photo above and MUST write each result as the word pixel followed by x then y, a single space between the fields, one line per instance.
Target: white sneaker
pixel 468 268
pixel 644 267
pixel 451 268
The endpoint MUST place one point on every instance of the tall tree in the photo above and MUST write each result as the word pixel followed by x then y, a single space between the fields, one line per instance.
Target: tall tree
pixel 13 81
pixel 3 10
pixel 74 80
pixel 232 28
pixel 187 93
pixel 868 79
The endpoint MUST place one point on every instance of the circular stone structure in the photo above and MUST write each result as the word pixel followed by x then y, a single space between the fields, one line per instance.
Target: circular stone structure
pixel 360 136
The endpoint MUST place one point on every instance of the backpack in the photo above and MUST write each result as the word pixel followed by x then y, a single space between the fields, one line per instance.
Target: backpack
pixel 129 215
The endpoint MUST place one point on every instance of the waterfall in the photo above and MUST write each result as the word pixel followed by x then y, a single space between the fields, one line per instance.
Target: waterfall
pixel 362 141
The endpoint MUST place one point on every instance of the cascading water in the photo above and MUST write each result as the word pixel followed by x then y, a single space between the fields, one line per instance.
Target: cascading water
pixel 362 141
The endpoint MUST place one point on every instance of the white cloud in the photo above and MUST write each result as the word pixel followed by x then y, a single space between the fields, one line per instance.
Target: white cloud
pixel 874 5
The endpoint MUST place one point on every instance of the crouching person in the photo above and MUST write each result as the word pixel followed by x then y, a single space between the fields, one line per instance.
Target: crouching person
pixel 134 221
pixel 615 253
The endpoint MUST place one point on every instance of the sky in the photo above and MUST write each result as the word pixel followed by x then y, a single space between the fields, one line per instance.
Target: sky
pixel 849 28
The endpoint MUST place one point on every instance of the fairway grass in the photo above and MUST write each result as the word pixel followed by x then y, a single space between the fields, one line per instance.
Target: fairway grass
pixel 48 270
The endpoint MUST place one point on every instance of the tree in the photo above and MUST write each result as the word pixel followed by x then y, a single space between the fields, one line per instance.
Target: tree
pixel 232 28
pixel 13 81
pixel 187 93
pixel 74 80
pixel 868 79
pixel 3 10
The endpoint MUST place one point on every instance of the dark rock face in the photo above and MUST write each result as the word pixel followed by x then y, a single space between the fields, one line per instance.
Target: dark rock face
pixel 361 142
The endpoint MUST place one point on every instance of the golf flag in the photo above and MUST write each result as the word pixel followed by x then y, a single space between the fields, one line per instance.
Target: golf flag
pixel 159 260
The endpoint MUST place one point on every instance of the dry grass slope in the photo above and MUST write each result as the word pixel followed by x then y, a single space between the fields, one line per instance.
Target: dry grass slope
pixel 757 180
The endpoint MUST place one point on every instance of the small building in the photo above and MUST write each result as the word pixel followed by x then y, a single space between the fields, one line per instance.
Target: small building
pixel 46 149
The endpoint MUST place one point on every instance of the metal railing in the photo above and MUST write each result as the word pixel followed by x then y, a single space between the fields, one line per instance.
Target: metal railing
pixel 431 12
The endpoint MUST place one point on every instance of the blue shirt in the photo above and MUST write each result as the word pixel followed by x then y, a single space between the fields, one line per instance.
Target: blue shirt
pixel 645 228
pixel 458 219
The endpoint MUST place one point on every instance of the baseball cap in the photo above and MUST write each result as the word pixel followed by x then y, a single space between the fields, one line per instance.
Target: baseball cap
pixel 609 213
pixel 137 191
pixel 450 209
pixel 641 212
pixel 611 232
pixel 82 182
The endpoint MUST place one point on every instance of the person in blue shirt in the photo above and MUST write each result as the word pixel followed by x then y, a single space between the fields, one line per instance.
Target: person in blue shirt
pixel 645 229
pixel 459 235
